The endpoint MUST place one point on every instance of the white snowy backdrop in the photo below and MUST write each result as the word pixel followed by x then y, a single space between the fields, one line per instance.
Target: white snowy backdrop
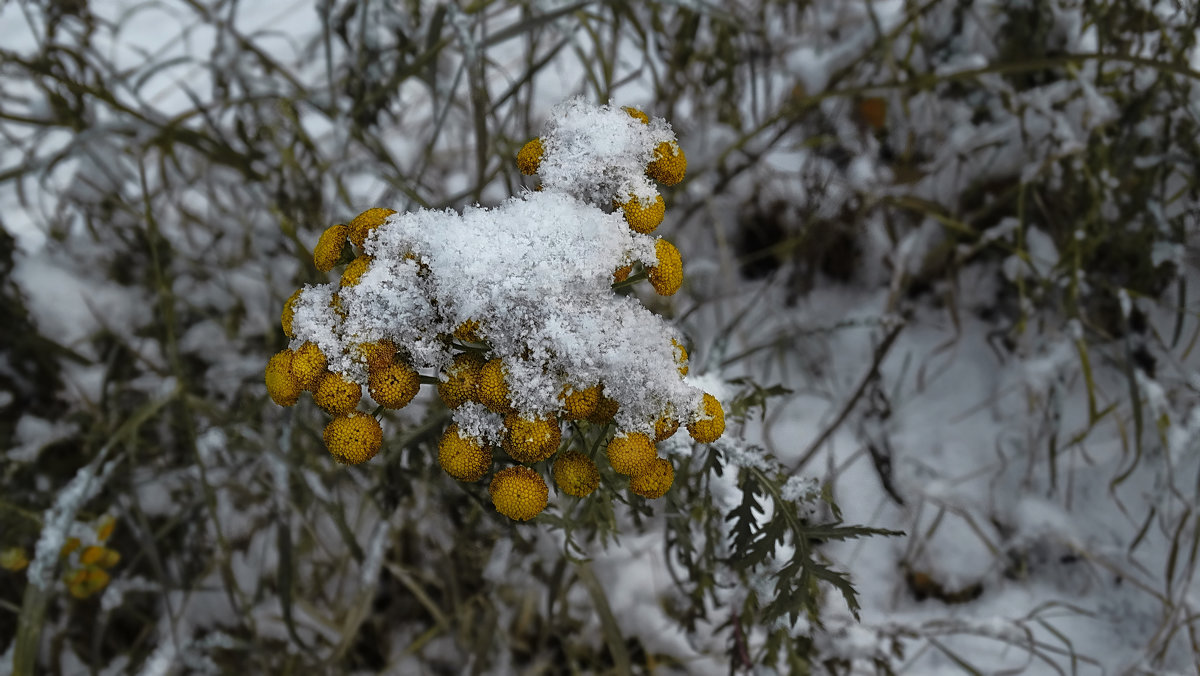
pixel 959 235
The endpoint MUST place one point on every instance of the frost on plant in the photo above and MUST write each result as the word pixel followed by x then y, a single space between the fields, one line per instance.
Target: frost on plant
pixel 513 308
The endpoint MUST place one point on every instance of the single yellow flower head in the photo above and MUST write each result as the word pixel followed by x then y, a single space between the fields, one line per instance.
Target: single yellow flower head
pixel 96 555
pixel 105 527
pixel 336 395
pixel 667 276
pixel 468 331
pixel 636 114
pixel 533 440
pixel 655 480
pixel 283 387
pixel 364 223
pixel 711 423
pixel 643 218
pixel 665 427
pixel 69 546
pixel 87 581
pixel 630 454
pixel 622 273
pixel 289 312
pixel 575 474
pixel 605 411
pixel 519 493
pixel 328 250
pixel 579 404
pixel 377 354
pixel 308 365
pixel 681 356
pixel 529 157
pixel 493 389
pixel 353 273
pixel 394 385
pixel 353 438
pixel 462 380
pixel 669 164
pixel 14 559
pixel 464 458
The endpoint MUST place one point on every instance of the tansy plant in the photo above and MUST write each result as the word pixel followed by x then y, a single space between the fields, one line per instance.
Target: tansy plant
pixel 512 313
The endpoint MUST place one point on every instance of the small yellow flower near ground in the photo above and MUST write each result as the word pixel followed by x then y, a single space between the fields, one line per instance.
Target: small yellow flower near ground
pixel 493 389
pixel 468 331
pixel 530 441
pixel 712 423
pixel 283 387
pixel 353 438
pixel 665 427
pixel 463 458
pixel 669 164
pixel 529 157
pixel 655 480
pixel 289 312
pixel 14 559
pixel 579 404
pixel 643 218
pixel 519 493
pixel 605 411
pixel 681 356
pixel 328 250
pixel 377 354
pixel 631 453
pixel 87 581
pixel 308 365
pixel 105 527
pixel 575 474
pixel 462 380
pixel 394 385
pixel 69 546
pixel 622 273
pixel 667 276
pixel 362 225
pixel 636 114
pixel 354 271
pixel 336 395
pixel 97 555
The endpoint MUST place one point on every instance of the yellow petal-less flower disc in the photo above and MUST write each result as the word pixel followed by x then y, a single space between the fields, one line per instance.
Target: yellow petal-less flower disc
pixel 631 453
pixel 622 273
pixel 364 223
pixel 681 356
pixel 289 312
pixel 575 474
pixel 636 114
pixel 308 365
pixel 533 440
pixel 711 424
pixel 605 411
pixel 665 427
pixel 579 404
pixel 96 555
pixel 519 493
pixel 353 438
pixel 394 385
pixel 328 250
pixel 529 157
pixel 462 380
pixel 463 458
pixel 669 164
pixel 354 271
pixel 468 331
pixel 336 395
pixel 667 276
pixel 643 218
pixel 376 354
pixel 14 559
pixel 69 546
pixel 493 389
pixel 87 581
pixel 104 529
pixel 283 387
pixel 655 480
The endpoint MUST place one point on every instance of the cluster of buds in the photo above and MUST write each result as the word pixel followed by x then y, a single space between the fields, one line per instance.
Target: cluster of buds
pixel 512 312
pixel 86 565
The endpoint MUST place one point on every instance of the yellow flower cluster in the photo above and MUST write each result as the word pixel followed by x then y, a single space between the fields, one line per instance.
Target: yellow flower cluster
pixel 87 567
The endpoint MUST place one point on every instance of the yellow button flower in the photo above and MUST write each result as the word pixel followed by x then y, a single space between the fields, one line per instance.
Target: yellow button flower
pixel 655 480
pixel 69 546
pixel 622 273
pixel 394 385
pixel 353 273
pixel 493 389
pixel 289 312
pixel 636 114
pixel 669 164
pixel 531 441
pixel 283 387
pixel 468 331
pixel 96 555
pixel 308 365
pixel 519 493
pixel 667 276
pixel 362 225
pixel 87 581
pixel 643 218
pixel 681 356
pixel 336 395
pixel 463 458
pixel 575 474
pixel 665 427
pixel 353 438
pixel 376 354
pixel 604 412
pixel 529 157
pixel 711 424
pixel 631 453
pixel 579 404
pixel 14 559
pixel 462 380
pixel 104 529
pixel 328 250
